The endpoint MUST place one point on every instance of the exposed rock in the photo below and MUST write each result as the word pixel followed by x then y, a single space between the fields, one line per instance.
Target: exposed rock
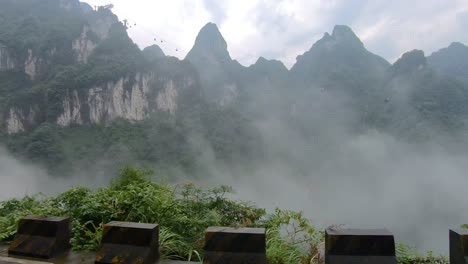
pixel 30 65
pixel 167 99
pixel 71 110
pixel 133 99
pixel 14 123
pixel 17 121
pixel 83 46
pixel 6 60
pixel 113 101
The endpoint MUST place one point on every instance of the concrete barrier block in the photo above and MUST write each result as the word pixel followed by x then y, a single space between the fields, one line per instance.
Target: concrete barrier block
pixel 129 243
pixel 41 237
pixel 458 246
pixel 359 246
pixel 235 245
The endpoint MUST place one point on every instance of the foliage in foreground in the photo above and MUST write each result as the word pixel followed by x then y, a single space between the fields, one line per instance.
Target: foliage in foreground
pixel 183 212
pixel 408 255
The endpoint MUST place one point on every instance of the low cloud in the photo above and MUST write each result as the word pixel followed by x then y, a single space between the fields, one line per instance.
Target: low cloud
pixel 369 179
pixel 22 178
pixel 18 178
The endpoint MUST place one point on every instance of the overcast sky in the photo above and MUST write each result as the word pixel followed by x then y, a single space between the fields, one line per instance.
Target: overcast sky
pixel 283 29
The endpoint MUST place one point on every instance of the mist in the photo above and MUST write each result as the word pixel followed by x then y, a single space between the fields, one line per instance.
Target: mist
pixel 325 168
pixel 20 178
pixel 368 178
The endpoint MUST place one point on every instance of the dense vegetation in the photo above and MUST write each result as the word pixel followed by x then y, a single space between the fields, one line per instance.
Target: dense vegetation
pixel 183 212
pixel 434 105
pixel 171 144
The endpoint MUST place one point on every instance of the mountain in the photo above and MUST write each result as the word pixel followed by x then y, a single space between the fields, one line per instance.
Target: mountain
pixel 422 104
pixel 269 68
pixel 210 47
pixel 451 61
pixel 219 73
pixel 153 53
pixel 89 72
pixel 339 68
pixel 339 59
pixel 409 62
pixel 71 77
pixel 76 92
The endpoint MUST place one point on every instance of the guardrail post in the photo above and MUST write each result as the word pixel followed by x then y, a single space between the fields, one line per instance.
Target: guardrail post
pixel 359 246
pixel 41 237
pixel 124 242
pixel 458 246
pixel 235 246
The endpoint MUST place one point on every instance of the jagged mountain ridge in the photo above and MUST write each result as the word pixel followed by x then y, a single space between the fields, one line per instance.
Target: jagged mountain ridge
pixel 219 73
pixel 451 61
pixel 94 75
pixel 333 62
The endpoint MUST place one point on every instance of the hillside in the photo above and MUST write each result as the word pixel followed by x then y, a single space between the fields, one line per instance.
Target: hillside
pixel 75 89
pixel 75 96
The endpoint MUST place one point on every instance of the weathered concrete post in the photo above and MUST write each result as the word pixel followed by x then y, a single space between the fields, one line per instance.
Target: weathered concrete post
pixel 129 243
pixel 235 246
pixel 41 237
pixel 353 246
pixel 458 246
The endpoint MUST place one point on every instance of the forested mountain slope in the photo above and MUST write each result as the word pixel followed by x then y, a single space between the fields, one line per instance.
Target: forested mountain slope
pixel 76 92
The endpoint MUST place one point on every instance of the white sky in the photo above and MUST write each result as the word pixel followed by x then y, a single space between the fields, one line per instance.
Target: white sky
pixel 284 29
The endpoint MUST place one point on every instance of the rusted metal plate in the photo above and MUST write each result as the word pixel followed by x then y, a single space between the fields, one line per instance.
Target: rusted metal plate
pixel 41 237
pixel 458 246
pixel 359 246
pixel 235 245
pixel 129 243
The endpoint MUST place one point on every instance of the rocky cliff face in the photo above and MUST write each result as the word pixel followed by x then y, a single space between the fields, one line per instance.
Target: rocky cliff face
pixel 80 92
pixel 20 120
pixel 131 97
pixel 83 46
pixel 6 59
